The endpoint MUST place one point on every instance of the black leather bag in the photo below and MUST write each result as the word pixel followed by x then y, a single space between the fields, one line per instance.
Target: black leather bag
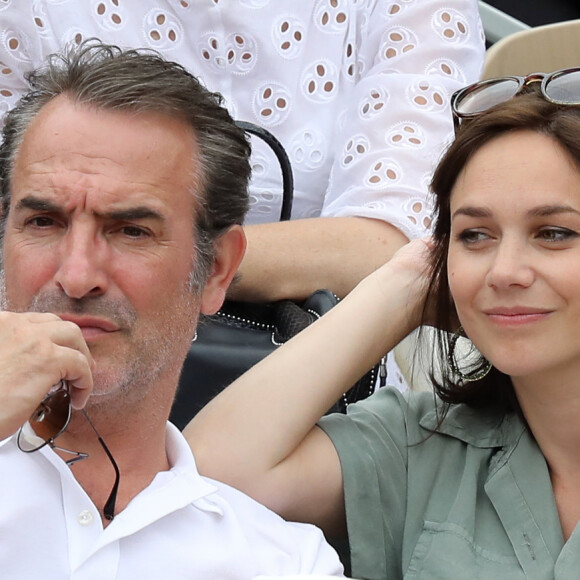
pixel 241 334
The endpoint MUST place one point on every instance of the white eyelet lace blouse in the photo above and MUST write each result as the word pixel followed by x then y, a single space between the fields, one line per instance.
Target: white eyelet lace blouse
pixel 356 90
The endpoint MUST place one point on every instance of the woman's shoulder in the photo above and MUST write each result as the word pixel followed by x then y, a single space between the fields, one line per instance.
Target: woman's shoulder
pixel 411 417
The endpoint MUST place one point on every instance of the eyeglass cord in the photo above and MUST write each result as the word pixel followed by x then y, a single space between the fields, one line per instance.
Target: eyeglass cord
pixel 109 509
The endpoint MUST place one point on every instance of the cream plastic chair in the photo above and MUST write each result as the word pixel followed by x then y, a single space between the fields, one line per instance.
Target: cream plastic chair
pixel 539 49
pixel 413 359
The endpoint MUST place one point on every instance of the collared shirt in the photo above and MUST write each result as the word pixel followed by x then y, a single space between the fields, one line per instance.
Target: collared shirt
pixel 357 92
pixel 182 526
pixel 471 500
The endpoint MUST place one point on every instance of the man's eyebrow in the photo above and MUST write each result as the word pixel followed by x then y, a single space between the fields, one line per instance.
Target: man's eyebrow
pixel 37 204
pixel 134 213
pixel 34 203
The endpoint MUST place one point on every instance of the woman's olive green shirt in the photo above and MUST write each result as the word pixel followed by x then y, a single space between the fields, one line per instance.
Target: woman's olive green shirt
pixel 471 501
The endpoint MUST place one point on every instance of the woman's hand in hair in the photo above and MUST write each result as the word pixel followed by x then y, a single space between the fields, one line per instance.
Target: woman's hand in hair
pixel 410 268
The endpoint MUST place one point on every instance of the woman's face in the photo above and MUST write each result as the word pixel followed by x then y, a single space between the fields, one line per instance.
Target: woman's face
pixel 514 253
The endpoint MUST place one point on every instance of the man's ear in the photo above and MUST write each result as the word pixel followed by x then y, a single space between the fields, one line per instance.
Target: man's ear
pixel 229 251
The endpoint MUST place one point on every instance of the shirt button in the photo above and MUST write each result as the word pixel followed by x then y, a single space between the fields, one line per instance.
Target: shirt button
pixel 85 518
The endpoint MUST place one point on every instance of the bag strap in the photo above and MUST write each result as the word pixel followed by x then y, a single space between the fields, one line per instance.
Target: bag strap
pixel 283 160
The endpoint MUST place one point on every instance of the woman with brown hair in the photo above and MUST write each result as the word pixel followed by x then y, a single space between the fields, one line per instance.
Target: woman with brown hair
pixel 479 479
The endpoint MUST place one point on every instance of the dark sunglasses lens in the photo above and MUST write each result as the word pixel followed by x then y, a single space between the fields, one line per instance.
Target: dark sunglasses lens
pixel 480 98
pixel 564 88
pixel 47 422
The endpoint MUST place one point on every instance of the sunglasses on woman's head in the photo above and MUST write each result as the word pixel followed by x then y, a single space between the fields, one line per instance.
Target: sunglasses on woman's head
pixel 49 420
pixel 561 88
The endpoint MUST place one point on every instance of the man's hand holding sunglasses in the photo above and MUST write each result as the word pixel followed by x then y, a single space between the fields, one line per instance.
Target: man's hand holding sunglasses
pixel 37 352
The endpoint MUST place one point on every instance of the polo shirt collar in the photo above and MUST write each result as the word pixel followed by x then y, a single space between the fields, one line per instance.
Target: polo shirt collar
pixel 169 491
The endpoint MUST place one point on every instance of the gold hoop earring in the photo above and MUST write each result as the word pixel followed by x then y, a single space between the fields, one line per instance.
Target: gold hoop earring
pixel 477 371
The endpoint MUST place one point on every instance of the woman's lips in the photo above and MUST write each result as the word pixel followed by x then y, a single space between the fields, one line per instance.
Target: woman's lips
pixel 517 316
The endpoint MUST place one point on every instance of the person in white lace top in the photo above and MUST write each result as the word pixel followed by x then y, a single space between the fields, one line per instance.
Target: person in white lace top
pixel 356 91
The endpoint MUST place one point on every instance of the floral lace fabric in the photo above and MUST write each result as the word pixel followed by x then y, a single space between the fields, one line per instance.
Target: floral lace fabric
pixel 357 91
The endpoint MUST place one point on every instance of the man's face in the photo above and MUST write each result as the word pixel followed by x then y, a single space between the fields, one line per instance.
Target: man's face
pixel 100 232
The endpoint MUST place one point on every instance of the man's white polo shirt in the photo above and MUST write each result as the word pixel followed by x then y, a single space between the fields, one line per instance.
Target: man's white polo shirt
pixel 182 526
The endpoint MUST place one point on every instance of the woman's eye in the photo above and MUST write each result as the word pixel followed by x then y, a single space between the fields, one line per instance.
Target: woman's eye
pixel 557 234
pixel 472 236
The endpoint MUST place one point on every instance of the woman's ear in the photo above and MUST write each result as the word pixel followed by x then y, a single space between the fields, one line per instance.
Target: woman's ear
pixel 229 251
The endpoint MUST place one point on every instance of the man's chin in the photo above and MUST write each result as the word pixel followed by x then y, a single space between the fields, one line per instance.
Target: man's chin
pixel 105 402
pixel 118 388
pixel 106 386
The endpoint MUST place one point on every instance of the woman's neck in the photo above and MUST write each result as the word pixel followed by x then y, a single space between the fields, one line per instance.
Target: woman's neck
pixel 551 406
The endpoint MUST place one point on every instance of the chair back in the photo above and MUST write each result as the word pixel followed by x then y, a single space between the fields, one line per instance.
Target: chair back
pixel 539 49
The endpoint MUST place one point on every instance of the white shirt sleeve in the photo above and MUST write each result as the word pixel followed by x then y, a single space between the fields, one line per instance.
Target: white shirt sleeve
pixel 20 50
pixel 357 92
pixel 413 55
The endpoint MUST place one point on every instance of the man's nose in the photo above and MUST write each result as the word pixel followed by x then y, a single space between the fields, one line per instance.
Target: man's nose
pixel 82 269
pixel 511 266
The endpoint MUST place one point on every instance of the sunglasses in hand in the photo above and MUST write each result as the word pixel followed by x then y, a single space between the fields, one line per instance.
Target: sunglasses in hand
pixel 49 420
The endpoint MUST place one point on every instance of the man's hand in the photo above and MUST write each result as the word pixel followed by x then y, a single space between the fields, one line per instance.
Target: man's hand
pixel 37 351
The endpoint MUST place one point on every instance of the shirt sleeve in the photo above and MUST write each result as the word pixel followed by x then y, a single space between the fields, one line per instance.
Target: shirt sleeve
pixel 20 52
pixel 371 441
pixel 281 547
pixel 412 56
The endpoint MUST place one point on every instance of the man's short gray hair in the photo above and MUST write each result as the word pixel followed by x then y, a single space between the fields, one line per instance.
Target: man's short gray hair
pixel 108 77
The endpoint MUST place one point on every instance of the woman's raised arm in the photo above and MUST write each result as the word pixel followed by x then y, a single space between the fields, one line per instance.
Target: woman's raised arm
pixel 260 435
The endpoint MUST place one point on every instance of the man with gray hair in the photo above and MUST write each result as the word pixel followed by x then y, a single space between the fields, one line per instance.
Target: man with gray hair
pixel 122 190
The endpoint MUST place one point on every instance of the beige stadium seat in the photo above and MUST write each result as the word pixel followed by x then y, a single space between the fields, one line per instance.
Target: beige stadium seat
pixel 413 357
pixel 539 49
